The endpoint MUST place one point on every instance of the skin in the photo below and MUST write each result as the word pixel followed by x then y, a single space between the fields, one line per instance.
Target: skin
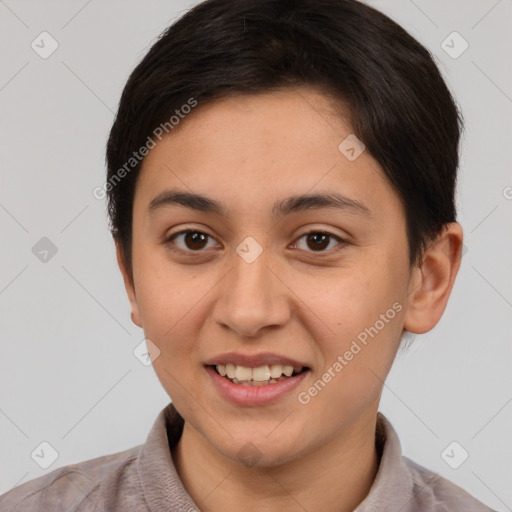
pixel 295 299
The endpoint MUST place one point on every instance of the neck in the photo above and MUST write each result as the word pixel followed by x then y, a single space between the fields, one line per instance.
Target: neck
pixel 336 477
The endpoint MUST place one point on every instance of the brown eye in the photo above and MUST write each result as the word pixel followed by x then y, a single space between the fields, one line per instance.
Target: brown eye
pixel 192 241
pixel 318 241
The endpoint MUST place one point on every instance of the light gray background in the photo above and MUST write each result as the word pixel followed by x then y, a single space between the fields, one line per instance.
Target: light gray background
pixel 67 372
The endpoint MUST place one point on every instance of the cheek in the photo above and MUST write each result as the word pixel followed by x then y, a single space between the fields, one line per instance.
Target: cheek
pixel 362 317
pixel 350 303
pixel 366 319
pixel 170 310
pixel 167 299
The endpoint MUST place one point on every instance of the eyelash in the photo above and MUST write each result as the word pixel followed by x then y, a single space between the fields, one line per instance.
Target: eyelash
pixel 170 238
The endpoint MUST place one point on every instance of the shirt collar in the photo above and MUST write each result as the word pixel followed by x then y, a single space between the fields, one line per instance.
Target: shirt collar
pixel 163 490
pixel 392 488
pixel 161 484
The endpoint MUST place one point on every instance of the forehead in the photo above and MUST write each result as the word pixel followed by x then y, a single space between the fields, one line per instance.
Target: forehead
pixel 261 148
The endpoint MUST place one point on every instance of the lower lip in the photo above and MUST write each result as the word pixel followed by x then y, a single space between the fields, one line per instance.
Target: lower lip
pixel 254 395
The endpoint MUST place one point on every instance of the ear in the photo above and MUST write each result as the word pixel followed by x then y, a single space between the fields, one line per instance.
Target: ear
pixel 431 283
pixel 129 285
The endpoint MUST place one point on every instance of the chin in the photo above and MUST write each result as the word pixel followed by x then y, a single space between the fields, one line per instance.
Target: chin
pixel 260 452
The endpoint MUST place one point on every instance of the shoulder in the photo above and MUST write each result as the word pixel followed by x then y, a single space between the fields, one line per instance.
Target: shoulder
pixel 436 493
pixel 84 486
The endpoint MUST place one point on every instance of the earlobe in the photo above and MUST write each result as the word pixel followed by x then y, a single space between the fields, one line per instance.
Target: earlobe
pixel 431 283
pixel 129 285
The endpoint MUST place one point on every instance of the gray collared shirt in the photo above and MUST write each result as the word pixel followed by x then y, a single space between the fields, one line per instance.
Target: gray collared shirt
pixel 144 478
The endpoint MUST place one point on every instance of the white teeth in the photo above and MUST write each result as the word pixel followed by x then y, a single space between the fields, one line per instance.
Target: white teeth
pixel 262 375
pixel 243 373
pixel 276 371
pixel 230 371
pixel 288 370
pixel 256 383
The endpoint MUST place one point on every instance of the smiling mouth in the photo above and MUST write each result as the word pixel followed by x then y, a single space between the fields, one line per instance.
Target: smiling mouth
pixel 259 376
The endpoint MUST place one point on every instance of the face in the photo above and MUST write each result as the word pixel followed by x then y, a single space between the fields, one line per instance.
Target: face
pixel 253 282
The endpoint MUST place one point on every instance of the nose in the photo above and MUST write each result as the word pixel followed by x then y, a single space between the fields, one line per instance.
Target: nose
pixel 253 297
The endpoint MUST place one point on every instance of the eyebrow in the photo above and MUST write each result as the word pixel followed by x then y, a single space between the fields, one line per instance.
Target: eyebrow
pixel 284 207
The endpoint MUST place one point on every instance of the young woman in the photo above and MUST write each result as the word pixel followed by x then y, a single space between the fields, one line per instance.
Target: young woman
pixel 281 179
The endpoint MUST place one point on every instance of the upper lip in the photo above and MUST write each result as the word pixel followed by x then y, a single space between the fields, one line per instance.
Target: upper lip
pixel 253 360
